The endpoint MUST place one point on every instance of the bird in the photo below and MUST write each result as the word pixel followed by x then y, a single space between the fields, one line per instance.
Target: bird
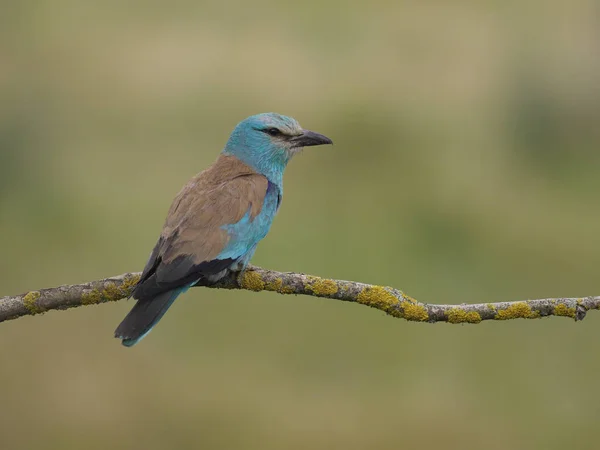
pixel 218 218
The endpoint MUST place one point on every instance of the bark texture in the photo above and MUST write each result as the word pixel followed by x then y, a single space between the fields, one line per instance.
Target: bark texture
pixel 390 300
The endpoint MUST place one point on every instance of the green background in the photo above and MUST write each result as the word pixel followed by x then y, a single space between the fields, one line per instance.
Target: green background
pixel 465 169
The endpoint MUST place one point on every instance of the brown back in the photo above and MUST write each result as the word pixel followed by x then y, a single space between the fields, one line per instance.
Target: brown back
pixel 220 195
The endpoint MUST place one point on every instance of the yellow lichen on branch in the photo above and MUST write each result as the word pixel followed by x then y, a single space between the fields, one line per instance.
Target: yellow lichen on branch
pixel 457 315
pixel 518 310
pixel 380 298
pixel 111 292
pixel 30 300
pixel 389 300
pixel 252 281
pixel 322 286
pixel 564 310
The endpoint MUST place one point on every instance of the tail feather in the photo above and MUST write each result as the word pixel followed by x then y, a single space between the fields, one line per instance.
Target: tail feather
pixel 144 316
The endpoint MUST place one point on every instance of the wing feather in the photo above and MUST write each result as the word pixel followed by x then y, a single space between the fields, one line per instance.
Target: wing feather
pixel 193 235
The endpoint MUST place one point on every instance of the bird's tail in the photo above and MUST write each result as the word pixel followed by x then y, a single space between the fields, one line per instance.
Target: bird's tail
pixel 144 316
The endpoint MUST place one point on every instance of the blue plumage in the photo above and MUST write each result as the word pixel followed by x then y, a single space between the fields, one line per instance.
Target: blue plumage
pixel 217 220
pixel 245 234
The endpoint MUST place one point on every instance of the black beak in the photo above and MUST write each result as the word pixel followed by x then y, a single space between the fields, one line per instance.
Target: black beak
pixel 310 138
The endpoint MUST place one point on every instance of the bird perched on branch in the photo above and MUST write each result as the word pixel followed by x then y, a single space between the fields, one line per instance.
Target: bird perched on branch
pixel 218 218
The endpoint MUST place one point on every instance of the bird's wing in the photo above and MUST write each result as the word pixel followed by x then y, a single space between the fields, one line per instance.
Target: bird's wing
pixel 195 234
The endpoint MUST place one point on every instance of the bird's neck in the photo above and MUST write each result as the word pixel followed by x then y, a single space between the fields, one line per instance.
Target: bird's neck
pixel 270 164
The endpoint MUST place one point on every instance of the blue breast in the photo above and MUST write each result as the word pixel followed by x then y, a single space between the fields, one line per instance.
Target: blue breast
pixel 245 234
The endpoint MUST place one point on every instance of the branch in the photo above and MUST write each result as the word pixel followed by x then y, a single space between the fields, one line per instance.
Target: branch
pixel 387 299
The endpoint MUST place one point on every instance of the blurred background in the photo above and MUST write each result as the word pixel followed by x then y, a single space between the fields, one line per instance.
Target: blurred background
pixel 465 169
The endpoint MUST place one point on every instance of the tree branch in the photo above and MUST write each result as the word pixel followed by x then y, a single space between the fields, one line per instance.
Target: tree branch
pixel 387 299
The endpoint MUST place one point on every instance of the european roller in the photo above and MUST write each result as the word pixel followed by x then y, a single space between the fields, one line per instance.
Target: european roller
pixel 218 218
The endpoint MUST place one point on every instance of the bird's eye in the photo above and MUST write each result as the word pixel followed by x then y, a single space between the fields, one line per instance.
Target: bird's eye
pixel 273 131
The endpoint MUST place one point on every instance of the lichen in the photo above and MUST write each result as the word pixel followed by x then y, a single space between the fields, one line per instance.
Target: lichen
pixel 128 285
pixel 382 298
pixel 30 300
pixel 457 315
pixel 111 291
pixel 286 290
pixel 321 286
pixel 252 281
pixel 274 285
pixel 414 311
pixel 564 310
pixel 277 286
pixel 91 297
pixel 491 306
pixel 519 310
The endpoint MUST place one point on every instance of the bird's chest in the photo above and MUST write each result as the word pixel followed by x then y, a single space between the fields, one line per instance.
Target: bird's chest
pixel 270 206
pixel 246 233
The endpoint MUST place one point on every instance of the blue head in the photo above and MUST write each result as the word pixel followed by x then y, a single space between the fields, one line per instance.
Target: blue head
pixel 267 141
